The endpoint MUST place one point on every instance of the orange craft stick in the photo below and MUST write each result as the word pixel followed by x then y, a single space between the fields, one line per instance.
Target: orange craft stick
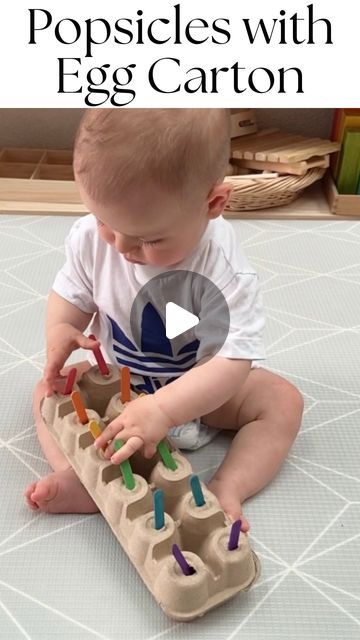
pixel 125 385
pixel 78 405
pixel 96 431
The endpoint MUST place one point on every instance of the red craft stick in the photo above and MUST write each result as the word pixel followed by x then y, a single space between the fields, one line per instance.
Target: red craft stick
pixel 100 359
pixel 125 385
pixel 70 381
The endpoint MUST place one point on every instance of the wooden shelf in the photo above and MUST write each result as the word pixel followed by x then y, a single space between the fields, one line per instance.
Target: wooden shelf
pixel 311 205
pixel 39 181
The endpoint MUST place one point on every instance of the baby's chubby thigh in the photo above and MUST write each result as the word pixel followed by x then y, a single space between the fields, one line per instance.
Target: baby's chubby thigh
pixel 263 396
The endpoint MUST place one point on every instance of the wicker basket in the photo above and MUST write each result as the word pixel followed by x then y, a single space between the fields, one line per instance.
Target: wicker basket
pixel 270 192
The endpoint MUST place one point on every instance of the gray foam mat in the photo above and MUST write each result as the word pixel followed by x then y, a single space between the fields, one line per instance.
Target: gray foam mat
pixel 65 576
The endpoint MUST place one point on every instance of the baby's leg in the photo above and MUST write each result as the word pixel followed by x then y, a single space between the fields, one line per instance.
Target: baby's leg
pixel 61 491
pixel 266 413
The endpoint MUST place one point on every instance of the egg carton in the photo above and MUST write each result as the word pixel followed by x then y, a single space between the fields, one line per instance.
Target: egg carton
pixel 201 532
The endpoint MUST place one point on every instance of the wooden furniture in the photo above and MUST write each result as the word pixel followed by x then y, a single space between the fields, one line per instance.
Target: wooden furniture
pixel 274 150
pixel 341 204
pixel 40 181
pixel 36 176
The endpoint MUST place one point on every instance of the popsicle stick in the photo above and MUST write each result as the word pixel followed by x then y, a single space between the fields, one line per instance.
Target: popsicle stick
pixel 315 147
pixel 254 146
pixel 159 510
pixel 234 535
pixel 289 141
pixel 95 429
pixel 125 468
pixel 197 491
pixel 100 358
pixel 70 381
pixel 79 407
pixel 295 168
pixel 125 385
pixel 241 143
pixel 185 567
pixel 166 456
pixel 256 176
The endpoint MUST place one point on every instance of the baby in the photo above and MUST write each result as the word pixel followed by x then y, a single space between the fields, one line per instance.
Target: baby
pixel 153 181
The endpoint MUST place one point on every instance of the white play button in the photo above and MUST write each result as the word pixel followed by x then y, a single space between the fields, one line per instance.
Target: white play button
pixel 178 320
pixel 163 325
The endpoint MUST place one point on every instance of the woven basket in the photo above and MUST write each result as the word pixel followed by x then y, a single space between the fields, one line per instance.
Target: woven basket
pixel 270 192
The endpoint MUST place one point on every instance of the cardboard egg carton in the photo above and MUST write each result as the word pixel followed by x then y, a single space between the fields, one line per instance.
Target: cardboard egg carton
pixel 202 533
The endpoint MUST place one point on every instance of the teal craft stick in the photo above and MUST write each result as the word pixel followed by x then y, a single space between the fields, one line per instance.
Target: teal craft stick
pixel 197 491
pixel 125 468
pixel 159 510
pixel 167 458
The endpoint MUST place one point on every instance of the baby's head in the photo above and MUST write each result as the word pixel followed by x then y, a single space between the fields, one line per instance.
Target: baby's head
pixel 153 177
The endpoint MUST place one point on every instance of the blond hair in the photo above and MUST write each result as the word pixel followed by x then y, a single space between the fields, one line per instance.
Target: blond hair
pixel 180 150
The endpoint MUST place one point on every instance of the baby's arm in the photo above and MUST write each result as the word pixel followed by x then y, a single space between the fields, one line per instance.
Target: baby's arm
pixel 147 420
pixel 64 326
pixel 202 389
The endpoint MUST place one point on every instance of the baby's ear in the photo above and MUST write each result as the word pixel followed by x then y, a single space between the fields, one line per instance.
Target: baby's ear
pixel 217 199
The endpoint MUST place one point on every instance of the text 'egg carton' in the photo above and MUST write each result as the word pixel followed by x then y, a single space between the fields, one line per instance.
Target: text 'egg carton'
pixel 202 533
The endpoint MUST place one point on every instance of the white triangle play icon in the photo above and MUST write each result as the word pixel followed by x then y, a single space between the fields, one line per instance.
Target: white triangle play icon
pixel 178 320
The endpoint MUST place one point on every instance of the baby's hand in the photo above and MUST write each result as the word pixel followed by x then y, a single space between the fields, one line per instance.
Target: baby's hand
pixel 62 340
pixel 143 423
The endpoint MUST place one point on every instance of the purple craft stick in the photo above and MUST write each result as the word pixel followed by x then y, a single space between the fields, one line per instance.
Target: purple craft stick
pixel 185 567
pixel 234 535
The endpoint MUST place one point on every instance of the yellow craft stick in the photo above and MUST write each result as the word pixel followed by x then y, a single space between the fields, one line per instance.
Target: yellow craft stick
pixel 96 431
pixel 79 407
pixel 125 385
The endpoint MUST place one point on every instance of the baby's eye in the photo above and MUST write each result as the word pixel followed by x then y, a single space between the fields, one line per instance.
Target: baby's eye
pixel 151 242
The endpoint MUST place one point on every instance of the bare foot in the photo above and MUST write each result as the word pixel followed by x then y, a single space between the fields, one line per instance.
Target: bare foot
pixel 60 492
pixel 229 501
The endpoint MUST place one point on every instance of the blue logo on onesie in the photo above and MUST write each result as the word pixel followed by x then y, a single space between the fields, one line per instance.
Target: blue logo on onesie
pixel 156 355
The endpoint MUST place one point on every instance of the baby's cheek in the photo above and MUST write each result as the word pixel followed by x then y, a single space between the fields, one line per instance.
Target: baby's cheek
pixel 107 235
pixel 163 257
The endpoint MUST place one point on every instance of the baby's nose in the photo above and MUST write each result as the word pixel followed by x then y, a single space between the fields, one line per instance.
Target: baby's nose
pixel 123 244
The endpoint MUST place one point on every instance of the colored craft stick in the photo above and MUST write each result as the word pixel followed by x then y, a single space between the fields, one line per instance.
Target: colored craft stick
pixel 70 381
pixel 166 456
pixel 95 429
pixel 197 491
pixel 185 567
pixel 159 510
pixel 100 359
pixel 125 468
pixel 234 535
pixel 125 385
pixel 78 405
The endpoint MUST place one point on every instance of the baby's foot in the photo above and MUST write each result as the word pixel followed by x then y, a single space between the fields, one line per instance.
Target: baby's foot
pixel 229 501
pixel 60 492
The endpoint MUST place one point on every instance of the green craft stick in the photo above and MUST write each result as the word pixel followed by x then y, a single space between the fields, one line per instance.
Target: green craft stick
pixel 166 456
pixel 125 468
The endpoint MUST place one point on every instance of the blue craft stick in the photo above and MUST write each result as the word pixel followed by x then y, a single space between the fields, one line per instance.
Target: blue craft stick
pixel 159 509
pixel 185 567
pixel 234 535
pixel 197 491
